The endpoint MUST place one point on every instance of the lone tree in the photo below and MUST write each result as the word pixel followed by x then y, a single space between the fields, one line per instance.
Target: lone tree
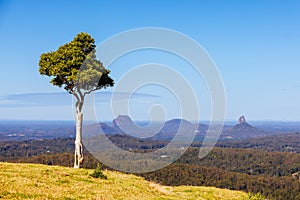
pixel 74 65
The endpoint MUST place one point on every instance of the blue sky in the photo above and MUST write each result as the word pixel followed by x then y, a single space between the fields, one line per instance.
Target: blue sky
pixel 255 45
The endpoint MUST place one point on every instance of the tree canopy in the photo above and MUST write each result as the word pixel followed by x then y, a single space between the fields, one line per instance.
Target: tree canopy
pixel 74 65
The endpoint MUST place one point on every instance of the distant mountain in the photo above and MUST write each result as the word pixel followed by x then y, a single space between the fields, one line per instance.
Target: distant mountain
pixel 175 127
pixel 201 129
pixel 243 130
pixel 244 127
pixel 107 129
pixel 172 126
pixel 124 125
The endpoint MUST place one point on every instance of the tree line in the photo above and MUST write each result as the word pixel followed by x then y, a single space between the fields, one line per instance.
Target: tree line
pixel 250 170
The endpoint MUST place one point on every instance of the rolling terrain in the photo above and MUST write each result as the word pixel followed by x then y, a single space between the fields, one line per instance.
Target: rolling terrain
pixel 246 158
pixel 249 170
pixel 32 181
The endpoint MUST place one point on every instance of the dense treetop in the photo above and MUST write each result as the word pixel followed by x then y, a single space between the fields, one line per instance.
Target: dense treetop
pixel 74 65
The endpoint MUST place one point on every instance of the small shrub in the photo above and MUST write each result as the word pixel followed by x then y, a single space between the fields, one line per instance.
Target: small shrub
pixel 98 173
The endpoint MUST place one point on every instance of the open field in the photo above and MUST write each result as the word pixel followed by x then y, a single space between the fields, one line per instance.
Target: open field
pixel 32 181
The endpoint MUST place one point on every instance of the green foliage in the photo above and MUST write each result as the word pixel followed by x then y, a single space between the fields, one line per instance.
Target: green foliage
pixel 248 161
pixel 98 173
pixel 74 65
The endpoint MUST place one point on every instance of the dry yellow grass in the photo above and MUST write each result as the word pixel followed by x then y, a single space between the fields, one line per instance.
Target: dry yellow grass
pixel 31 181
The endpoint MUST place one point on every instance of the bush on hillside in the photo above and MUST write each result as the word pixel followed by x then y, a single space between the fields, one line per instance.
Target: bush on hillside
pixel 98 172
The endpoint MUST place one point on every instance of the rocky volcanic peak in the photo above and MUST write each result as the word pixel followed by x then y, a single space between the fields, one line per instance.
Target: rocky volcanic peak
pixel 242 130
pixel 242 119
pixel 243 125
pixel 122 121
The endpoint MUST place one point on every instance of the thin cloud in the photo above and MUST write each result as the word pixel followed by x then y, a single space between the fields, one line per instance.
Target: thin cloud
pixel 292 87
pixel 63 99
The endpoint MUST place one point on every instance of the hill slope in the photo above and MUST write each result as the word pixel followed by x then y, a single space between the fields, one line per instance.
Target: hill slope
pixel 32 181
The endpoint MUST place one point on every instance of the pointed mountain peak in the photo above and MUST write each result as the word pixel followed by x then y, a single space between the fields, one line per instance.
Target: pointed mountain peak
pixel 122 120
pixel 242 119
pixel 243 125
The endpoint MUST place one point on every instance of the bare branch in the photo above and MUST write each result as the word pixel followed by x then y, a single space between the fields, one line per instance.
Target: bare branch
pixel 75 95
pixel 92 90
pixel 80 93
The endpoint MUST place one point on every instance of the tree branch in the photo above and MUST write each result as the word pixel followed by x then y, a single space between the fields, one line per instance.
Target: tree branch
pixel 76 96
pixel 81 95
pixel 88 92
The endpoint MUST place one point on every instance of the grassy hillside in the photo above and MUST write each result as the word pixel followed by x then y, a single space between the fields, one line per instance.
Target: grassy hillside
pixel 32 181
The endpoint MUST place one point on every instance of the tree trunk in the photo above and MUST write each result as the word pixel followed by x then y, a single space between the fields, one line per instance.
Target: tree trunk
pixel 78 141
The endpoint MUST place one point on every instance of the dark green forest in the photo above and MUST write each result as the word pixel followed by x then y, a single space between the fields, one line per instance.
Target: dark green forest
pixel 252 170
pixel 282 142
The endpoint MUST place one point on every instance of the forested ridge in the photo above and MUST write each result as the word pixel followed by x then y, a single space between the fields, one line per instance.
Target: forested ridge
pixel 288 142
pixel 184 174
pixel 250 170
